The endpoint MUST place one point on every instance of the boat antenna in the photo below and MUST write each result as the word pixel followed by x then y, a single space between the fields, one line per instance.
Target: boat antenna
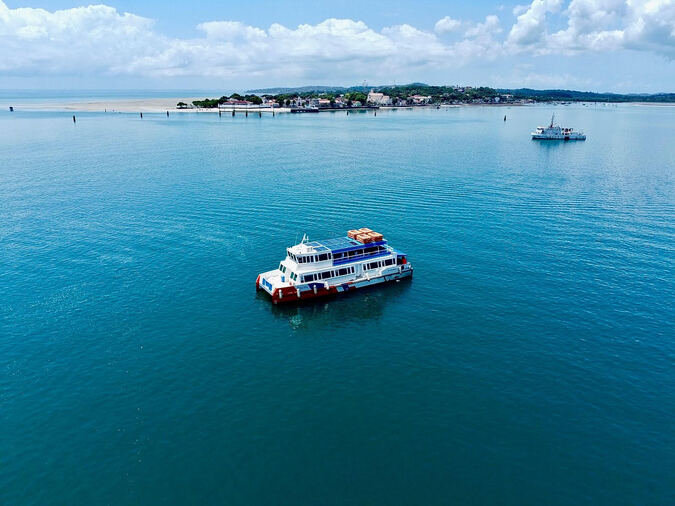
pixel 304 239
pixel 552 118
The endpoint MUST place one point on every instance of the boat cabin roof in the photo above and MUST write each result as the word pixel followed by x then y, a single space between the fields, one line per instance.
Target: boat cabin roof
pixel 336 245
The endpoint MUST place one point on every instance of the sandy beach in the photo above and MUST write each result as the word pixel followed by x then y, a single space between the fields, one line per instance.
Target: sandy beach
pixel 127 105
pixel 148 105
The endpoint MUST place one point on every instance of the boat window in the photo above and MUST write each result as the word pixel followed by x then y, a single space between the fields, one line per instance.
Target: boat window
pixel 337 256
pixel 282 267
pixel 371 249
pixel 352 269
pixel 343 272
pixel 323 257
pixel 325 275
pixel 389 261
pixel 308 277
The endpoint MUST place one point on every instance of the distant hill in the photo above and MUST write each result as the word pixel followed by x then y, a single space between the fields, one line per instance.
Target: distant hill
pixel 323 89
pixel 587 96
pixel 299 89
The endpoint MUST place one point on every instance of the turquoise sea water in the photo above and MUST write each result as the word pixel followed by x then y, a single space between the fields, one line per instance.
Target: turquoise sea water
pixel 529 361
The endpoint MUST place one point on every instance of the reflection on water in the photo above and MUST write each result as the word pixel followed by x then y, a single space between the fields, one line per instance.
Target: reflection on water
pixel 364 304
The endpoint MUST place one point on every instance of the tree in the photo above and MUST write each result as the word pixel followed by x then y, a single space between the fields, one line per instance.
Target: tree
pixel 207 103
pixel 181 105
pixel 356 96
pixel 254 99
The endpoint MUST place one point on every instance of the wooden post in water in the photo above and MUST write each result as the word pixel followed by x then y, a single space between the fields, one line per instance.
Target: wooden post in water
pixel 11 109
pixel 141 115
pixel 233 111
pixel 74 120
pixel 247 112
pixel 260 114
pixel 167 114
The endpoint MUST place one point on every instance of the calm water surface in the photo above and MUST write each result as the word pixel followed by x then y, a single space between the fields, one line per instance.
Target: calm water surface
pixel 530 360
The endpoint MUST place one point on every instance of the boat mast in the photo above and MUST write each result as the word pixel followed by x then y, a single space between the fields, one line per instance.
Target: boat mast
pixel 552 118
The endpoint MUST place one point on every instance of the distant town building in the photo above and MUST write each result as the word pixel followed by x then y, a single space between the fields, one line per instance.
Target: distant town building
pixel 378 98
pixel 235 104
pixel 420 99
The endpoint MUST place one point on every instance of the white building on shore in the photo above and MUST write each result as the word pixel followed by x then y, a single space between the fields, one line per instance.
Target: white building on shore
pixel 420 99
pixel 378 98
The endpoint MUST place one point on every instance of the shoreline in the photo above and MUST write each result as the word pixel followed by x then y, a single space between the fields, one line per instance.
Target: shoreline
pixel 162 105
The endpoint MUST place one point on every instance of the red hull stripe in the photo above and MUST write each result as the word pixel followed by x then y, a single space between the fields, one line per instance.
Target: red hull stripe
pixel 289 294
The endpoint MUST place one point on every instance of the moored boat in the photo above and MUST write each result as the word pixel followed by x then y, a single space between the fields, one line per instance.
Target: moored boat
pixel 332 266
pixel 556 132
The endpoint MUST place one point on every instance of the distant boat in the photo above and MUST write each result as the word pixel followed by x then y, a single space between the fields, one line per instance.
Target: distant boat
pixel 555 132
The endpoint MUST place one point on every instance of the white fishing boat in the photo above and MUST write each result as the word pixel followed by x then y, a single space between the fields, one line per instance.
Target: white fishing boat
pixel 557 133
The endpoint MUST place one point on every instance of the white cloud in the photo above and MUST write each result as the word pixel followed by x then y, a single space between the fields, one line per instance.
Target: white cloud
pixel 596 25
pixel 530 31
pixel 447 25
pixel 102 41
pixel 487 28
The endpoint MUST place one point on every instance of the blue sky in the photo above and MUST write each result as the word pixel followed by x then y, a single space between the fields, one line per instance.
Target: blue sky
pixel 600 45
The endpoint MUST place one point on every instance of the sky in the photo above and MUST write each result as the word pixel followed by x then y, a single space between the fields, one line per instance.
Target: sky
pixel 595 45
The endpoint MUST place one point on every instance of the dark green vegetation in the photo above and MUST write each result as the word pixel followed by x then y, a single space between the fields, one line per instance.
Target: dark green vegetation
pixel 209 103
pixel 587 96
pixel 440 94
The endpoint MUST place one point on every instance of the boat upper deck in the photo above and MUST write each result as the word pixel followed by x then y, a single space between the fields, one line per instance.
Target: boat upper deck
pixel 337 251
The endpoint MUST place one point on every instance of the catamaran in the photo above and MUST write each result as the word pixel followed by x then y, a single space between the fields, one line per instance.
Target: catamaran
pixel 556 132
pixel 331 266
